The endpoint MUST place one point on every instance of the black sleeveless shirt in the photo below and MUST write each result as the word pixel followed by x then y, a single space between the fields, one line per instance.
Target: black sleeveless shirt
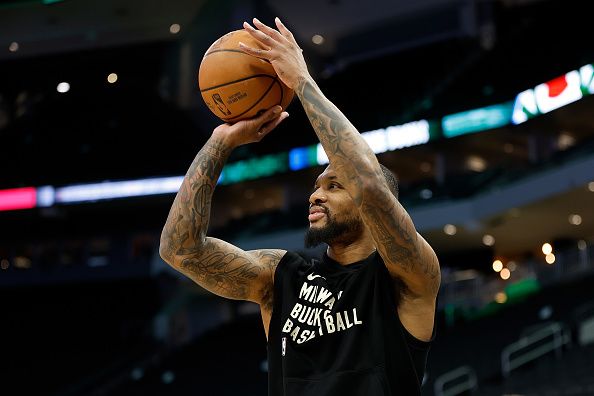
pixel 335 331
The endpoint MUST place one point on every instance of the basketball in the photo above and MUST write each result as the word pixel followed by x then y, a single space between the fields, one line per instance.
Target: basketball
pixel 235 85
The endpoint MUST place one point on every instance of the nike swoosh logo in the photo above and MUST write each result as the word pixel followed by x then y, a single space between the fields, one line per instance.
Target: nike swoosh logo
pixel 311 277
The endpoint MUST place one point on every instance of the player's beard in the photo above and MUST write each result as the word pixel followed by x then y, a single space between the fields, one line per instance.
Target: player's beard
pixel 334 232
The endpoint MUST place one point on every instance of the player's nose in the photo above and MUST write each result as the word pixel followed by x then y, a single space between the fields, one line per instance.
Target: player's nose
pixel 317 197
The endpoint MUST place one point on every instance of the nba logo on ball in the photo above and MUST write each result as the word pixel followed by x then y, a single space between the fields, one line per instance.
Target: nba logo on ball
pixel 235 85
pixel 220 105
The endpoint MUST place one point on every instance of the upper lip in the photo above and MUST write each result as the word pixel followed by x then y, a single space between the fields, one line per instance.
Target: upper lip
pixel 316 209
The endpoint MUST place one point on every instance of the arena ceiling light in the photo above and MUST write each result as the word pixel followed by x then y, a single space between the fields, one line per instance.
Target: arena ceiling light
pixel 575 219
pixel 317 39
pixel 565 140
pixel 476 163
pixel 426 193
pixel 546 248
pixel 450 229
pixel 501 298
pixel 488 240
pixel 497 265
pixel 63 87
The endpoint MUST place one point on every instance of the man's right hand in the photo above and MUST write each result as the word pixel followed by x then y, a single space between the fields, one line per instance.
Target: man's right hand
pixel 251 130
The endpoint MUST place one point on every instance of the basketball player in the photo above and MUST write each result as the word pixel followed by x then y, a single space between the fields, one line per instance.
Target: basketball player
pixel 358 321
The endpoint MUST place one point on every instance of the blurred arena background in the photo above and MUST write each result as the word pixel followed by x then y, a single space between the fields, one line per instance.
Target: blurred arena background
pixel 484 109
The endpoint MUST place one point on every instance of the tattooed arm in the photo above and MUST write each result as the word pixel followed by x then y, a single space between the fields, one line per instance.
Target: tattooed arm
pixel 214 264
pixel 407 255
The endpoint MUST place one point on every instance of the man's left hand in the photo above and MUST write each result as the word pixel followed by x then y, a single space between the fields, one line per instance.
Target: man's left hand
pixel 283 51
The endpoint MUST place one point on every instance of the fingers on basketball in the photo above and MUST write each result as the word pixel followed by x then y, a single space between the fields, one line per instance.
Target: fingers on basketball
pixel 236 85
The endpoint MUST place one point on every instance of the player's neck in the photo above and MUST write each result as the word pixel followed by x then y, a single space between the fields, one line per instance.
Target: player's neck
pixel 351 253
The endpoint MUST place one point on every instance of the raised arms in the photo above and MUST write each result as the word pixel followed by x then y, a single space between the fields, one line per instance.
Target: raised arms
pixel 214 264
pixel 406 254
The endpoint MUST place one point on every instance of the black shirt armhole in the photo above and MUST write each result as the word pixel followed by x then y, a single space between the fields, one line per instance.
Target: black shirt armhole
pixel 279 274
pixel 414 342
pixel 419 352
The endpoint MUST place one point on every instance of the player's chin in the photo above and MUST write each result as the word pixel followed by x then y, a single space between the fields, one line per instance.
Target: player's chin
pixel 317 223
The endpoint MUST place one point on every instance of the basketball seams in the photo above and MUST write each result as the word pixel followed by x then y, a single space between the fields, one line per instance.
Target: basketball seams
pixel 218 55
pixel 282 91
pixel 231 50
pixel 236 81
pixel 222 50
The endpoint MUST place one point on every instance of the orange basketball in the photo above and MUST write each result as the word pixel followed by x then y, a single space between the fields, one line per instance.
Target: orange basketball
pixel 236 85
